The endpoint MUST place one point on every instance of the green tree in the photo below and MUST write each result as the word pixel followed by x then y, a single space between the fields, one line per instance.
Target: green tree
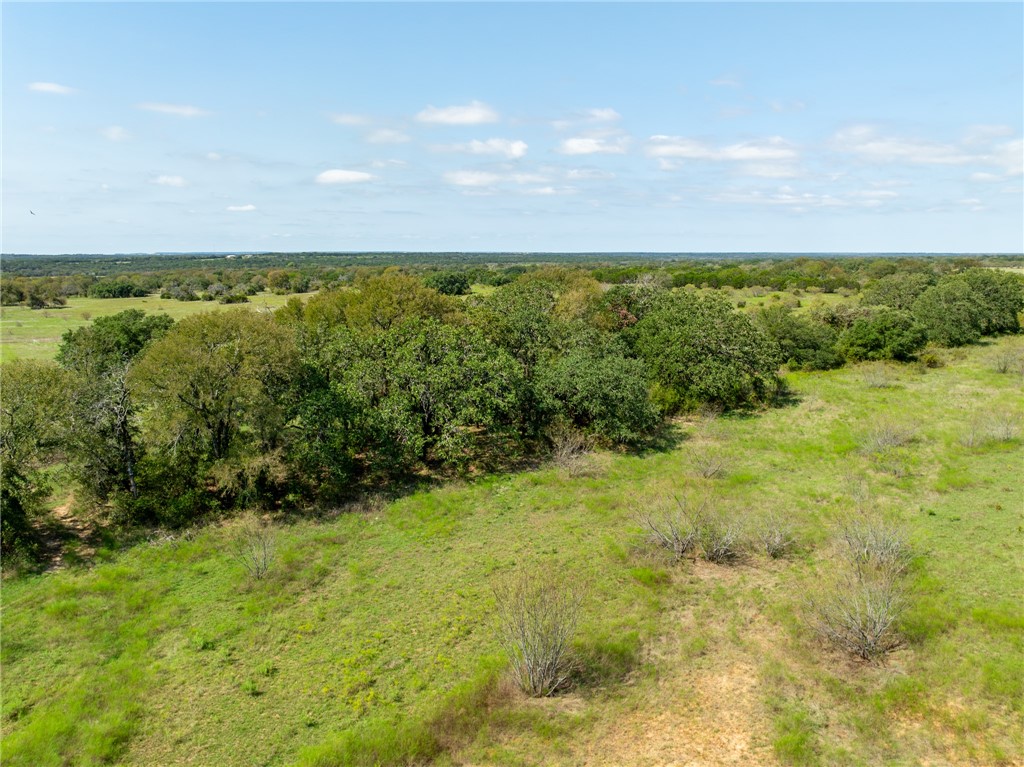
pixel 385 301
pixel 897 291
pixel 33 412
pixel 215 386
pixel 101 440
pixel 803 343
pixel 889 334
pixel 999 296
pixel 448 283
pixel 600 392
pixel 950 312
pixel 699 350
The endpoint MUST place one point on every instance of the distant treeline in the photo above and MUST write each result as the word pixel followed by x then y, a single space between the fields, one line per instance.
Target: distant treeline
pixel 167 423
pixel 49 281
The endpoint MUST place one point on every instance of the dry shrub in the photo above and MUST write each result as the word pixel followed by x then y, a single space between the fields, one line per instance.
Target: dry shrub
pixel 538 612
pixel 570 452
pixel 721 540
pixel 676 529
pixel 709 464
pixel 875 547
pixel 997 426
pixel 885 435
pixel 879 376
pixel 860 615
pixel 1008 361
pixel 775 536
pixel 254 546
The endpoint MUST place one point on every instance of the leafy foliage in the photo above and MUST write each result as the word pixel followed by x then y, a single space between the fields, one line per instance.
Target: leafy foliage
pixel 890 334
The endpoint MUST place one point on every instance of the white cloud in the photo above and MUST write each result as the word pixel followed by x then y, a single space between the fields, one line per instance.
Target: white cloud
pixel 865 141
pixel 472 178
pixel 387 136
pixel 785 196
pixel 985 177
pixel 60 90
pixel 214 156
pixel 241 208
pixel 678 147
pixel 178 110
pixel 588 174
pixel 340 176
pixel 474 113
pixel 115 133
pixel 175 181
pixel 349 119
pixel 548 191
pixel 770 170
pixel 580 145
pixel 787 106
pixel 1009 157
pixel 492 146
pixel 606 114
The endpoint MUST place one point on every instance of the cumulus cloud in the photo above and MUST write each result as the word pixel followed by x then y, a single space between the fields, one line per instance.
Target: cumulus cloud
pixel 175 181
pixel 588 174
pixel 605 114
pixel 178 110
pixel 115 133
pixel 241 208
pixel 1009 157
pixel 341 176
pixel 471 178
pixel 582 145
pixel 55 88
pixel 474 113
pixel 785 196
pixel 387 136
pixel 509 148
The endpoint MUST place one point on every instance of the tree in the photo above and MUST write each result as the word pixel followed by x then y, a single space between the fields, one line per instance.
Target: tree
pixel 950 312
pixel 804 344
pixel 101 440
pixel 384 301
pixel 448 283
pixel 600 392
pixel 430 390
pixel 897 291
pixel 701 351
pixel 32 415
pixel 999 296
pixel 215 388
pixel 889 334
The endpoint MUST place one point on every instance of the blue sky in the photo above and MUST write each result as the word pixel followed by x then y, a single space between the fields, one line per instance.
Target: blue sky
pixel 518 126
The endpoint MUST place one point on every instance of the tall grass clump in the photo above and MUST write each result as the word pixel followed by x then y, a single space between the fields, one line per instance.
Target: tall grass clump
pixel 538 613
pixel 994 427
pixel 775 537
pixel 886 435
pixel 676 530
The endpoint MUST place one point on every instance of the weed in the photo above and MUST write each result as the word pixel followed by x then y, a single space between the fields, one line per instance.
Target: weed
pixel 885 435
pixel 873 545
pixel 775 536
pixel 860 615
pixel 254 547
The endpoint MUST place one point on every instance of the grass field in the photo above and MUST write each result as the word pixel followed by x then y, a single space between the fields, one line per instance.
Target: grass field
pixel 379 619
pixel 35 333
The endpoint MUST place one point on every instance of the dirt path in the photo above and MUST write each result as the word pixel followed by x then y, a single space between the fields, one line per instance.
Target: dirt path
pixel 66 533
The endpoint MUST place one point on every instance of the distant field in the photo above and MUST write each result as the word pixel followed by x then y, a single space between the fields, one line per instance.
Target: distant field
pixel 163 654
pixel 35 333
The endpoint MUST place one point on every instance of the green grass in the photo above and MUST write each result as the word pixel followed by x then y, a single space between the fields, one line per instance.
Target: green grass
pixel 35 333
pixel 357 647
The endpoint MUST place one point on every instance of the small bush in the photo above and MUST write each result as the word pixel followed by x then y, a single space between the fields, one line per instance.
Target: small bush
pixel 776 537
pixel 676 531
pixel 570 452
pixel 876 546
pixel 1008 361
pixel 720 540
pixel 538 614
pixel 879 376
pixel 860 616
pixel 254 547
pixel 885 435
pixel 709 464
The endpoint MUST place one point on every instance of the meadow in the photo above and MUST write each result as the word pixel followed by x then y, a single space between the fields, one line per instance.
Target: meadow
pixel 34 334
pixel 373 638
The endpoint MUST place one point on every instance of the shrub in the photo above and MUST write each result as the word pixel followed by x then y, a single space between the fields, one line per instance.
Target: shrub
pixel 1000 426
pixel 676 531
pixel 570 452
pixel 254 547
pixel 885 435
pixel 1008 361
pixel 720 540
pixel 538 613
pixel 950 312
pixel 448 283
pixel 861 615
pixel 709 464
pixel 775 536
pixel 879 376
pixel 804 343
pixel 872 546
